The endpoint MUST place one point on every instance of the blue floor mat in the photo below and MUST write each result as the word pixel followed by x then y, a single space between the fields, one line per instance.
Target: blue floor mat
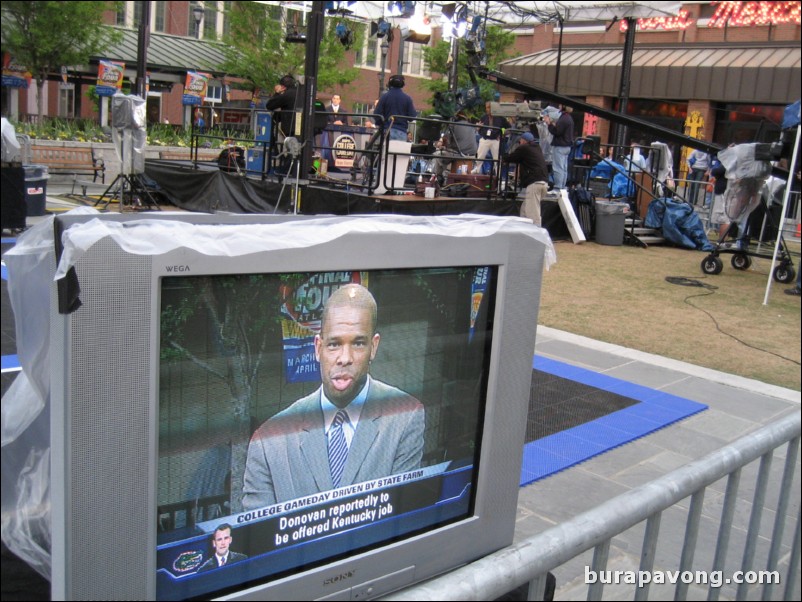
pixel 570 398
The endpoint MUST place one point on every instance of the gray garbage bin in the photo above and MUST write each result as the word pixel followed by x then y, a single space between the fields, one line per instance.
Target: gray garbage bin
pixel 610 222
pixel 36 189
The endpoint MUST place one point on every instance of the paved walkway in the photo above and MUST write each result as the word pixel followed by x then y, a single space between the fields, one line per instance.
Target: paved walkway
pixel 737 406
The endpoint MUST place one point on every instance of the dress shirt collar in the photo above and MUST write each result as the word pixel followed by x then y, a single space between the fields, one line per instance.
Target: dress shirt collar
pixel 353 409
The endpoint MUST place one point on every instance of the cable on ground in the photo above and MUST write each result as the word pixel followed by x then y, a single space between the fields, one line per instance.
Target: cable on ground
pixel 710 289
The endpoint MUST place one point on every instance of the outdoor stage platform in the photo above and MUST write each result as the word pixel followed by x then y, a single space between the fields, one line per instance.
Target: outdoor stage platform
pixel 206 189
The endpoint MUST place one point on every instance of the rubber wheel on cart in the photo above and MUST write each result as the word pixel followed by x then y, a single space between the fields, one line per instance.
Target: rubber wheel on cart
pixel 741 261
pixel 712 265
pixel 784 273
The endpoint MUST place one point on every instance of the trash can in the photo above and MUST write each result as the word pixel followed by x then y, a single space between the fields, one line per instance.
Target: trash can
pixel 610 222
pixel 36 189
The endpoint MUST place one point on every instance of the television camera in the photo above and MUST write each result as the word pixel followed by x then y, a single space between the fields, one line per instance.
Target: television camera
pixel 447 104
pixel 523 112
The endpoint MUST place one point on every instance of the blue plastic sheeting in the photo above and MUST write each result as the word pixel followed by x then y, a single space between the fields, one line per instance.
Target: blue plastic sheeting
pixel 791 116
pixel 621 185
pixel 679 224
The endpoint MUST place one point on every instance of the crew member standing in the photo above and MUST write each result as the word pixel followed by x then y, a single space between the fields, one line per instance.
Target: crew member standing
pixel 563 132
pixel 396 109
pixel 534 175
pixel 283 102
pixel 490 131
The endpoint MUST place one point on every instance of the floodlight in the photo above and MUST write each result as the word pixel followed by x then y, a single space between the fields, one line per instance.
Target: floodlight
pixel 380 28
pixel 344 34
pixel 401 9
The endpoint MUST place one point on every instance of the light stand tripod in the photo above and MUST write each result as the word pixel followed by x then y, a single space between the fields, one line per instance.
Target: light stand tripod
pixel 128 120
pixel 292 148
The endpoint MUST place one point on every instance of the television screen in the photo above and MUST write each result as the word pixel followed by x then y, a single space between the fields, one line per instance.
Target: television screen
pixel 283 407
pixel 251 377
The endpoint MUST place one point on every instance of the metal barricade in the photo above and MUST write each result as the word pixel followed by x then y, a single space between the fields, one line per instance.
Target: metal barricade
pixel 530 560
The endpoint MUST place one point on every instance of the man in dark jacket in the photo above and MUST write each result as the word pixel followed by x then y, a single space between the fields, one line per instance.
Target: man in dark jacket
pixel 534 175
pixel 563 132
pixel 283 103
pixel 396 109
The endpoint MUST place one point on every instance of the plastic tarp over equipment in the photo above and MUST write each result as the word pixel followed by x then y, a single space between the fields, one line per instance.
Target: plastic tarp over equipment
pixel 679 224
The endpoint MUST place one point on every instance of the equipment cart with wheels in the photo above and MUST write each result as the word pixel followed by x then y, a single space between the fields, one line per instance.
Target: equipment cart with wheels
pixel 748 166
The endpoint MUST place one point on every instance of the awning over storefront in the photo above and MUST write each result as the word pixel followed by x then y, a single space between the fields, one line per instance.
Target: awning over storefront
pixel 755 75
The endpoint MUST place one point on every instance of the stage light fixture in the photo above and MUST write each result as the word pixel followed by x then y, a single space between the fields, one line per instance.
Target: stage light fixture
pixel 344 34
pixel 454 20
pixel 401 9
pixel 343 8
pixel 415 37
pixel 380 29
pixel 295 36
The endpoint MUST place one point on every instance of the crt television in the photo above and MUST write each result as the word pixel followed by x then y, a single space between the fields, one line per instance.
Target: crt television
pixel 173 338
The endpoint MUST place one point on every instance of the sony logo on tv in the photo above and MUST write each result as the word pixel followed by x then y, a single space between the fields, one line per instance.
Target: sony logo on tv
pixel 340 577
pixel 177 268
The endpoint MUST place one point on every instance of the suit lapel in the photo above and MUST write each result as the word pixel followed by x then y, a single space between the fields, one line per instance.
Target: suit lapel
pixel 314 448
pixel 364 438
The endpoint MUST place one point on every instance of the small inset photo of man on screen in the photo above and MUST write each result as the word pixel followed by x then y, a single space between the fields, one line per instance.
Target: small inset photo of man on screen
pixel 223 555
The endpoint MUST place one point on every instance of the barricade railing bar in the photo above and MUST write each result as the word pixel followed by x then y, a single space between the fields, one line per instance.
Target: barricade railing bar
pixel 530 560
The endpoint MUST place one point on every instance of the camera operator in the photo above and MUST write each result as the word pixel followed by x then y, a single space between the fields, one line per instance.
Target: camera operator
pixel 283 102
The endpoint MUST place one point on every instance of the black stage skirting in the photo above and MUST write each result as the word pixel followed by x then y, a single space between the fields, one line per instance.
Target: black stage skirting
pixel 209 190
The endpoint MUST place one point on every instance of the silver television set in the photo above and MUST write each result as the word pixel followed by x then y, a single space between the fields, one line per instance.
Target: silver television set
pixel 176 339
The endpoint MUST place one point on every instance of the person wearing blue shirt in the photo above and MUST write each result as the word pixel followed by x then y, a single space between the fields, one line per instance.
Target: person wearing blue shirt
pixel 398 105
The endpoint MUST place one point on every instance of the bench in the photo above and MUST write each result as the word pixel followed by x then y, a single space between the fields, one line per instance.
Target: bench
pixel 69 160
pixel 186 155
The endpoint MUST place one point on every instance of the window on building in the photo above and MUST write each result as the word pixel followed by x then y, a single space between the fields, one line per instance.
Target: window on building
pixel 210 20
pixel 137 13
pixel 119 18
pixel 160 16
pixel 365 108
pixel 413 60
pixel 370 54
pixel 214 92
pixel 226 22
pixel 66 100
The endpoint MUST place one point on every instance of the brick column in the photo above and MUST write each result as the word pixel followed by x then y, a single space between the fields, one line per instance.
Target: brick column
pixel 602 126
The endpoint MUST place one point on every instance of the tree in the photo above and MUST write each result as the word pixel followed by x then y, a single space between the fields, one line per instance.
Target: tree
pixel 44 36
pixel 498 45
pixel 256 49
pixel 239 313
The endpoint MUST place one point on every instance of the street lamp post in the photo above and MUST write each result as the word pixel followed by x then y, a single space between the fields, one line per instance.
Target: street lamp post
pixel 384 48
pixel 197 13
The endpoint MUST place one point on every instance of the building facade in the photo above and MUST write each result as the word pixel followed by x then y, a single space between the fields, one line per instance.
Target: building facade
pixel 184 37
pixel 718 71
pixel 721 71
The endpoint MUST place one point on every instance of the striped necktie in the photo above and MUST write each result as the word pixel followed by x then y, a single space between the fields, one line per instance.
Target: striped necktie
pixel 338 448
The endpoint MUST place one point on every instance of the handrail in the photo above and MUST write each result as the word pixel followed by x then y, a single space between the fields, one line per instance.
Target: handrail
pixel 500 572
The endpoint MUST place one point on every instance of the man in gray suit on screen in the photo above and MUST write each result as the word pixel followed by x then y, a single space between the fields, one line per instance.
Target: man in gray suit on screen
pixel 354 428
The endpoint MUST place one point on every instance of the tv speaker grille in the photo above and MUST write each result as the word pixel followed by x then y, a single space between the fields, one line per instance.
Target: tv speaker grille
pixel 109 413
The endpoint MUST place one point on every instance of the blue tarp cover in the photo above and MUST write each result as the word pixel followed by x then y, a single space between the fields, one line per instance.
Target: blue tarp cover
pixel 791 116
pixel 680 225
pixel 620 185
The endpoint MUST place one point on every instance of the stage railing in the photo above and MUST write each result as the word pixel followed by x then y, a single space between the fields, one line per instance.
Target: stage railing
pixel 530 560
